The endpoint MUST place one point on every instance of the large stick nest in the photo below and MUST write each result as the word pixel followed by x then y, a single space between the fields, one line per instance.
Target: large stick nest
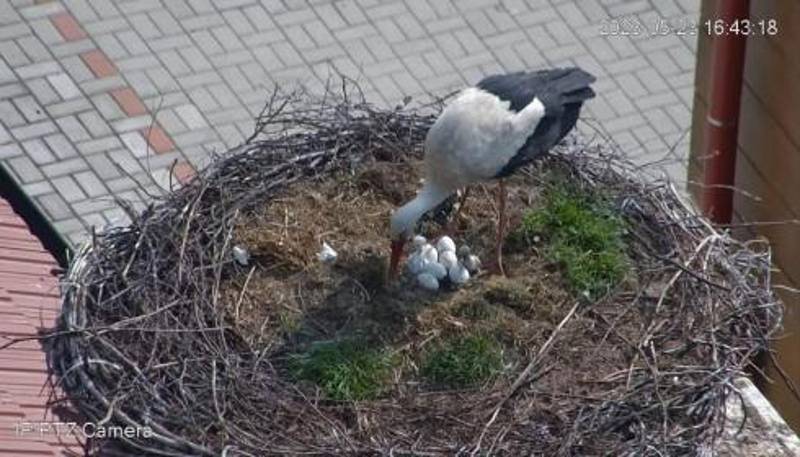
pixel 142 339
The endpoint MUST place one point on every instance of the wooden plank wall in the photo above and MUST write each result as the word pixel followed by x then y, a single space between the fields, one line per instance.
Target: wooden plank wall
pixel 768 162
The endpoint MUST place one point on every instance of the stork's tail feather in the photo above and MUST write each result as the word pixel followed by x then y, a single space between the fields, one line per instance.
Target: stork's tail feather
pixel 573 84
pixel 578 96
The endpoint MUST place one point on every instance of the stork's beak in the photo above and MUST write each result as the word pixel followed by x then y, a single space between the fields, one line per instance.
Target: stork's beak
pixel 397 253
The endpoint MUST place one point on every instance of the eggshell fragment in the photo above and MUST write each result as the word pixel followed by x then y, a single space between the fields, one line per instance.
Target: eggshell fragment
pixel 240 255
pixel 327 254
pixel 472 263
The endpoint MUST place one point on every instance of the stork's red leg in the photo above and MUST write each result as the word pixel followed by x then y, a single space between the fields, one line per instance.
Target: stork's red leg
pixel 497 267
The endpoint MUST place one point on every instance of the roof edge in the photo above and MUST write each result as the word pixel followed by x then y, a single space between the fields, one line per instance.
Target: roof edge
pixel 37 223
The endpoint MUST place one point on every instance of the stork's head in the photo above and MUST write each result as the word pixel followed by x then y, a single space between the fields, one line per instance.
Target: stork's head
pixel 404 220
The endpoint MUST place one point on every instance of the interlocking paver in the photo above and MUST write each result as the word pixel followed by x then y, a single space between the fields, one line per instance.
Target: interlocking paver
pixel 99 145
pixel 111 46
pixel 106 26
pixel 144 26
pixel 75 105
pixel 43 91
pixel 8 32
pixel 71 48
pixel 12 53
pixel 126 161
pixel 5 137
pixel 38 151
pixel 61 146
pixel 128 101
pixel 30 108
pixel 81 10
pixel 158 139
pixel 96 125
pixel 64 167
pixel 46 31
pixel 165 23
pixel 26 171
pixel 33 130
pixel 98 63
pixel 107 107
pixel 129 124
pixel 11 117
pixel 55 206
pixel 37 188
pixel 80 80
pixel 102 167
pixel 69 189
pixel 105 8
pixel 64 86
pixel 12 90
pixel 178 8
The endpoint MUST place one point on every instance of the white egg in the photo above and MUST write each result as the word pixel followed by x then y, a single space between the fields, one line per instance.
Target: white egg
pixel 429 253
pixel 415 263
pixel 436 269
pixel 472 263
pixel 464 251
pixel 327 254
pixel 418 242
pixel 445 243
pixel 448 259
pixel 428 281
pixel 458 274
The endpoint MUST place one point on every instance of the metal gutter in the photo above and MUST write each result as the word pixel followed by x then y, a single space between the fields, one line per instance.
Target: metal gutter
pixel 722 121
pixel 39 225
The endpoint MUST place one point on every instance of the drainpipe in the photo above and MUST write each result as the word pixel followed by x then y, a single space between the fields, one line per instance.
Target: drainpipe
pixel 727 71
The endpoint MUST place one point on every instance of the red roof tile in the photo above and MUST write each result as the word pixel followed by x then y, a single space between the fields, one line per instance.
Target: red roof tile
pixel 28 302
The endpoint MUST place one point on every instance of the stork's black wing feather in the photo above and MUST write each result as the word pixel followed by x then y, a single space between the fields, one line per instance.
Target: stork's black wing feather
pixel 562 91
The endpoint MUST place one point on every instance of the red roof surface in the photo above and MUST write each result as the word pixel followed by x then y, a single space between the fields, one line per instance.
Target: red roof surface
pixel 29 301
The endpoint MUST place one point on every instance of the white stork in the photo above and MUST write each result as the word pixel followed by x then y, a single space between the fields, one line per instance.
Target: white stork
pixel 486 133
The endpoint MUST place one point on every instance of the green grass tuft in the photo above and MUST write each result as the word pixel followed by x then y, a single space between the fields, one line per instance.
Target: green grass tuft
pixel 582 235
pixel 345 370
pixel 463 361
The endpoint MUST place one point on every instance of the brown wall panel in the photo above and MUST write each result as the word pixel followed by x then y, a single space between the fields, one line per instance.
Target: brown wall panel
pixel 770 150
pixel 759 201
pixel 787 15
pixel 786 252
pixel 775 84
pixel 768 163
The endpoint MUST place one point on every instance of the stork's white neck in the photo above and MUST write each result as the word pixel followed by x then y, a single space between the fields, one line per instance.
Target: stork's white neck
pixel 406 217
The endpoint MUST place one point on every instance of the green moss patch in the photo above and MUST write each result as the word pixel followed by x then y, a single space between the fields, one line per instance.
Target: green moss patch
pixel 462 361
pixel 583 235
pixel 345 370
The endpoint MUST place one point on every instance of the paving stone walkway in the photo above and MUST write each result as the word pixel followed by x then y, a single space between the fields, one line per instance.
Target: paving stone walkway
pixel 100 98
